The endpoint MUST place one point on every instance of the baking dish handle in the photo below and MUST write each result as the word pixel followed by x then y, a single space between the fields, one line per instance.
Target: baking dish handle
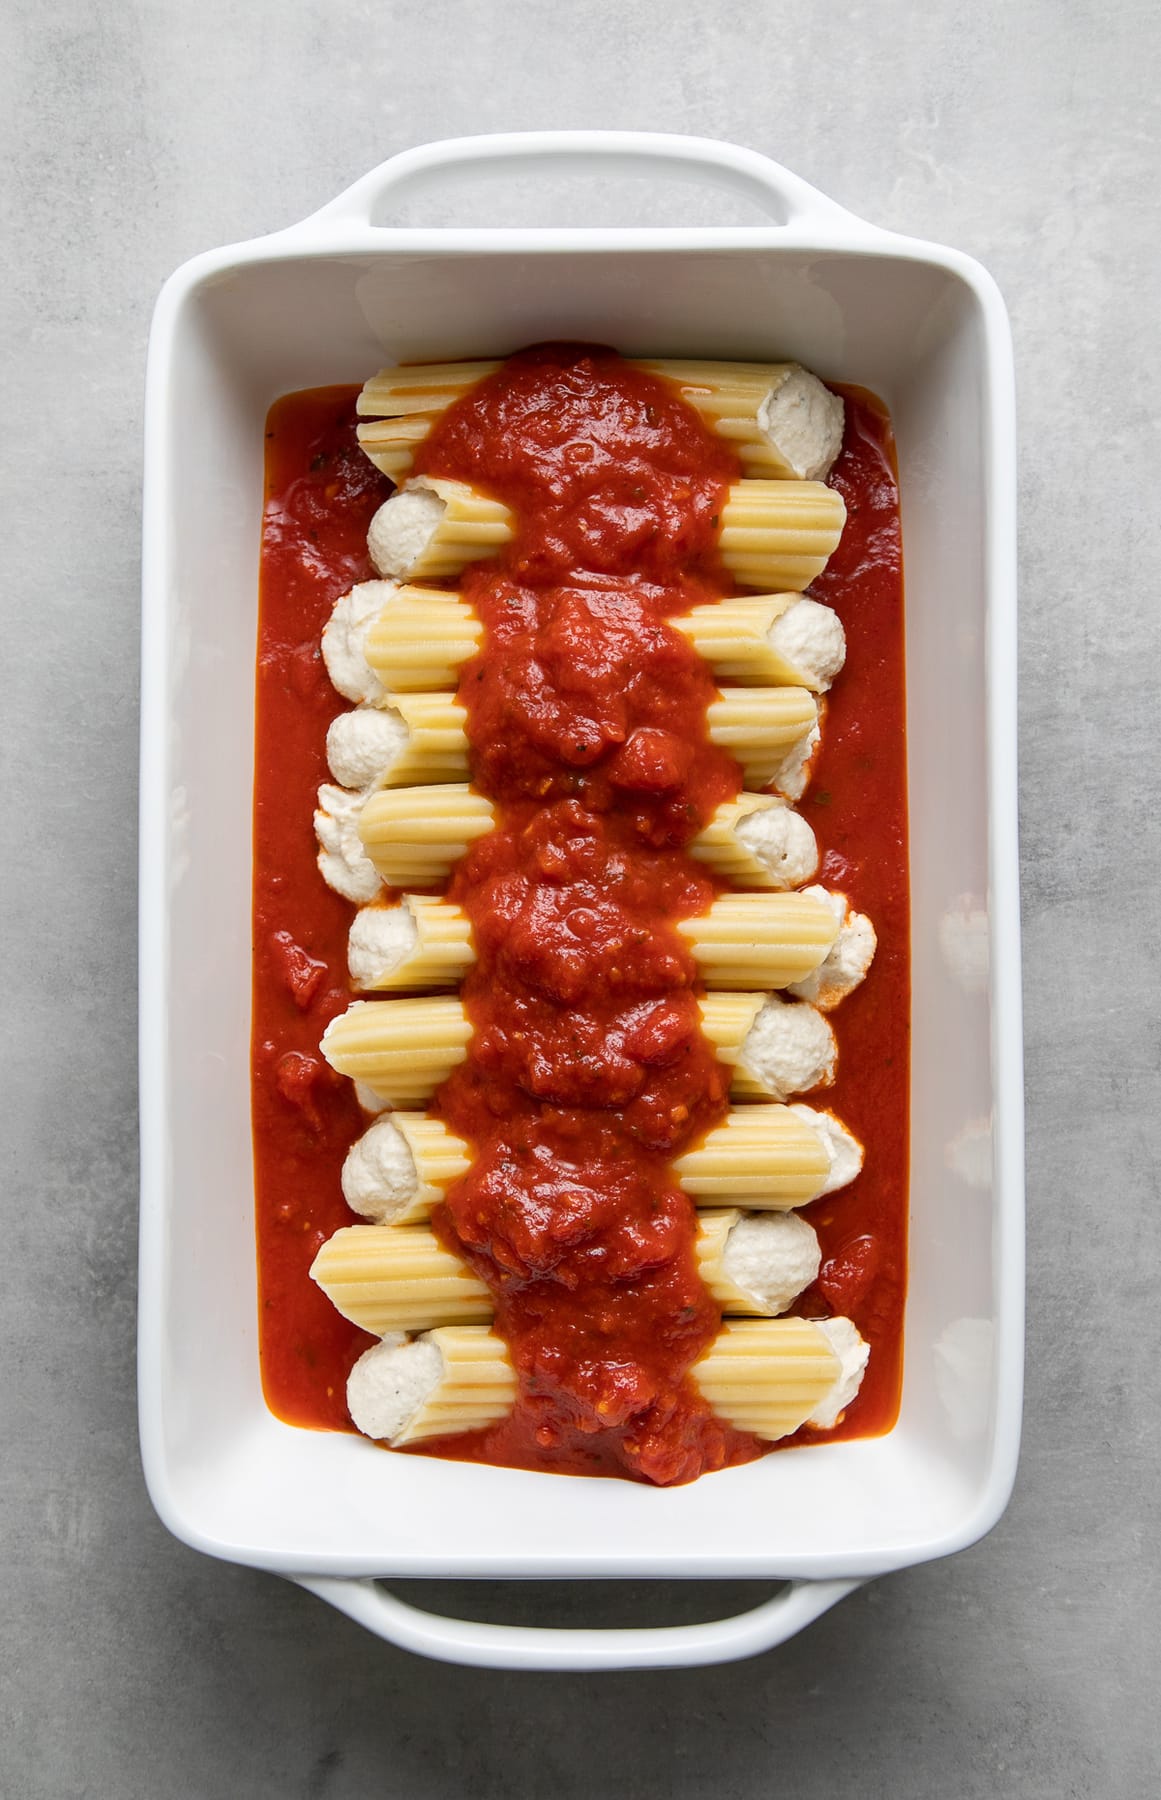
pixel 483 1646
pixel 785 197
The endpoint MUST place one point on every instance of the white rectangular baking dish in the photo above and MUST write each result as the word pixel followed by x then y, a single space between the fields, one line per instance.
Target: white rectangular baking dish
pixel 330 300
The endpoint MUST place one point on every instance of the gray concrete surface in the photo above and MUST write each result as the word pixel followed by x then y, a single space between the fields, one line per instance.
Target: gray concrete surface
pixel 135 133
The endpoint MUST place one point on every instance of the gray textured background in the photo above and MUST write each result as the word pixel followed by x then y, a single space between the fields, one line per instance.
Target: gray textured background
pixel 135 133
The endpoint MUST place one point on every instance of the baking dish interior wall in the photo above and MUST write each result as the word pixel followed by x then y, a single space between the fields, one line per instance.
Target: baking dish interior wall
pixel 904 328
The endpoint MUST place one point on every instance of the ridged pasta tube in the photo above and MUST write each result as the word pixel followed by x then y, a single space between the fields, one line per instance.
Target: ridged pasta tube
pixel 428 388
pixel 421 942
pixel 760 940
pixel 391 444
pixel 756 1263
pixel 768 1376
pixel 401 1049
pixel 421 639
pixel 758 841
pixel 398 1278
pixel 779 417
pixel 415 836
pixel 431 529
pixel 456 1379
pixel 769 637
pixel 771 731
pixel 418 738
pixel 401 1167
pixel 778 535
pixel 773 1047
pixel 771 1157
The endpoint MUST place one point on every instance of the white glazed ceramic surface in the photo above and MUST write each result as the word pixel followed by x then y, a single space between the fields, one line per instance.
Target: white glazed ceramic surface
pixel 328 301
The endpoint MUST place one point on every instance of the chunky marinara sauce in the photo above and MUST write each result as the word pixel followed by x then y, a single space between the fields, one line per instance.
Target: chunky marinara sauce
pixel 587 1073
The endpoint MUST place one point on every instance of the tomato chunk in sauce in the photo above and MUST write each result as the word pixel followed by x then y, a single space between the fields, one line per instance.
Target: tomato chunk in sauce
pixel 587 1072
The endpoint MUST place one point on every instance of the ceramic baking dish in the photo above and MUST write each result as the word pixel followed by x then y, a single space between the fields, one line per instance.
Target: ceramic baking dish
pixel 328 301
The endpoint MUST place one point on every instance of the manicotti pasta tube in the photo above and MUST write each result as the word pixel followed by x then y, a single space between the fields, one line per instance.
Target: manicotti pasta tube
pixel 399 1170
pixel 431 529
pixel 779 417
pixel 420 388
pixel 760 940
pixel 777 535
pixel 773 1047
pixel 757 841
pixel 421 942
pixel 447 1382
pixel 769 1376
pixel 415 836
pixel 772 1157
pixel 785 638
pixel 756 1263
pixel 418 738
pixel 421 639
pixel 398 1278
pixel 401 1049
pixel 423 737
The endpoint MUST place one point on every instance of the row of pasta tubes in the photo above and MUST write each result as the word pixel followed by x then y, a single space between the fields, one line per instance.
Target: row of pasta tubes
pixel 775 959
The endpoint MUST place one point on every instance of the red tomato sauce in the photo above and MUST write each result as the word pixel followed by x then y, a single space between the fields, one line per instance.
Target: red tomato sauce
pixel 587 1072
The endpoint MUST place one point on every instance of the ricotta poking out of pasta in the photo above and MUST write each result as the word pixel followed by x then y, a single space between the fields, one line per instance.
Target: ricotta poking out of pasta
pixel 404 526
pixel 790 1048
pixel 381 940
pixel 853 1352
pixel 794 770
pixel 772 1257
pixel 344 640
pixel 391 1382
pixel 848 960
pixel 811 638
pixel 782 842
pixel 363 744
pixel 379 1175
pixel 844 1152
pixel 803 422
pixel 343 863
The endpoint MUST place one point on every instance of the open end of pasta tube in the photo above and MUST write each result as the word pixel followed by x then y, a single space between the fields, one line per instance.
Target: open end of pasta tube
pixel 342 860
pixel 420 942
pixel 447 1381
pixel 756 1262
pixel 430 529
pixel 848 959
pixel 344 640
pixel 789 1049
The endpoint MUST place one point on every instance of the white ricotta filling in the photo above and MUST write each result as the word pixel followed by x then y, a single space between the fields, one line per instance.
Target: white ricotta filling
pixel 343 863
pixel 391 1382
pixel 781 840
pixel 772 1258
pixel 381 940
pixel 363 744
pixel 844 1152
pixel 789 1048
pixel 848 959
pixel 810 637
pixel 379 1176
pixel 403 527
pixel 344 640
pixel 803 421
pixel 852 1351
pixel 793 771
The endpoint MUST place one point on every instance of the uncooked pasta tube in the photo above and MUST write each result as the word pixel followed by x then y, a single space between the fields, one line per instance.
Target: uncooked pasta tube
pixel 772 1047
pixel 418 738
pixel 415 836
pixel 769 637
pixel 401 1167
pixel 768 1376
pixel 449 1381
pixel 779 417
pixel 771 1157
pixel 398 1278
pixel 420 942
pixel 431 529
pixel 760 940
pixel 756 1262
pixel 757 841
pixel 777 535
pixel 401 1049
pixel 391 444
pixel 427 388
pixel 771 731
pixel 421 639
